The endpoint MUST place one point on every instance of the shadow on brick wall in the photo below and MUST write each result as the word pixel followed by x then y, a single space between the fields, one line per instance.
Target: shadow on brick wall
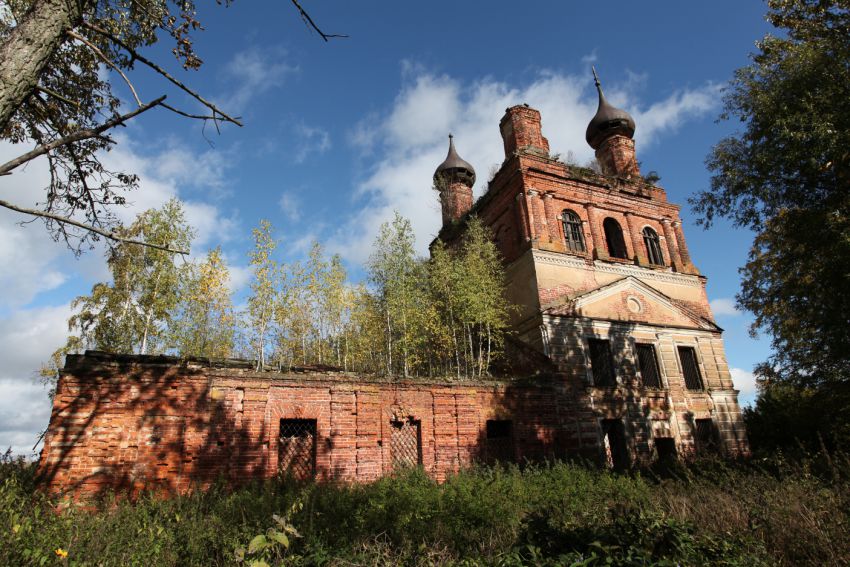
pixel 128 424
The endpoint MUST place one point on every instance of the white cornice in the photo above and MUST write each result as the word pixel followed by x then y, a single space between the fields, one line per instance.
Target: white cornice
pixel 648 274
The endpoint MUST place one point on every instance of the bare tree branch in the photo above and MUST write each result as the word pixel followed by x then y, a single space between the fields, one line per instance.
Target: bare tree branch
pixel 7 167
pixel 58 96
pixel 308 21
pixel 104 233
pixel 108 61
pixel 137 56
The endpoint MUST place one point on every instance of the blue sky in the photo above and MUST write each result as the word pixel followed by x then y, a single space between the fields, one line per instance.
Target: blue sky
pixel 339 135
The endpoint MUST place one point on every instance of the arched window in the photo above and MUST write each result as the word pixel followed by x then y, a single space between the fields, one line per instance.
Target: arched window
pixel 653 247
pixel 614 238
pixel 573 233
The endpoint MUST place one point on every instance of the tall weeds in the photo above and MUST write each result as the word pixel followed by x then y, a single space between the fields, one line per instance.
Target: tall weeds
pixel 766 513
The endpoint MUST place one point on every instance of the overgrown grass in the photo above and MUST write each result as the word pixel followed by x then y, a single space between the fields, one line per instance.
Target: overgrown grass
pixel 766 513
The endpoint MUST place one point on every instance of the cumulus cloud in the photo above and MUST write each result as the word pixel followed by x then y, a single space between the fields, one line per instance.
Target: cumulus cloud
pixel 745 382
pixel 27 339
pixel 35 264
pixel 724 306
pixel 403 150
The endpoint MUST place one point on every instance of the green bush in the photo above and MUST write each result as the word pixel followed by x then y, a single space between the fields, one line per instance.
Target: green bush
pixel 777 513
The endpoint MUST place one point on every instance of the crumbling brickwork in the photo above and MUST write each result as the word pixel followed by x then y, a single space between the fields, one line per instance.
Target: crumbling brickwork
pixel 133 423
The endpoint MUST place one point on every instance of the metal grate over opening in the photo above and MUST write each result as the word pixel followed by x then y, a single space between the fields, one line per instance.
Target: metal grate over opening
pixel 297 448
pixel 405 443
pixel 648 366
pixel 690 368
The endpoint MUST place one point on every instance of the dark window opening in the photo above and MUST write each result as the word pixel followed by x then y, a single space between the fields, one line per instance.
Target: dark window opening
pixel 405 443
pixel 573 233
pixel 601 363
pixel 653 247
pixel 690 368
pixel 614 444
pixel 648 363
pixel 666 448
pixel 705 435
pixel 499 445
pixel 296 451
pixel 614 238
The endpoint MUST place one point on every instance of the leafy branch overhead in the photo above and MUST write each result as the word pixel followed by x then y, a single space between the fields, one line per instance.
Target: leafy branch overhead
pixel 53 95
pixel 786 176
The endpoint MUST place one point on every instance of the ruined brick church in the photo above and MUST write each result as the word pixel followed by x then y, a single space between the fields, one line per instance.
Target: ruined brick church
pixel 630 363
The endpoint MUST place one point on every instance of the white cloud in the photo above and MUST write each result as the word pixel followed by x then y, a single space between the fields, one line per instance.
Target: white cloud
pixel 312 141
pixel 252 72
pixel 745 382
pixel 27 339
pixel 290 205
pixel 724 306
pixel 406 147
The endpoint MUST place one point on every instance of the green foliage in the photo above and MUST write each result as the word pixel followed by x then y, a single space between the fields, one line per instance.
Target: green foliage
pixel 205 325
pixel 779 513
pixel 261 302
pixel 786 176
pixel 131 314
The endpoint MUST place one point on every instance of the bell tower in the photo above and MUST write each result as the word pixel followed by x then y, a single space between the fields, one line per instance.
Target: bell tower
pixel 454 179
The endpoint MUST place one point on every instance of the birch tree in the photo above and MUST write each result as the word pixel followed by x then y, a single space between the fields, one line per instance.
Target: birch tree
pixel 132 313
pixel 205 325
pixel 261 303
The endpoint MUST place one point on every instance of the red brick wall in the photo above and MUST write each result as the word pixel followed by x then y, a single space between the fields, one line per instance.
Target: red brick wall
pixel 134 423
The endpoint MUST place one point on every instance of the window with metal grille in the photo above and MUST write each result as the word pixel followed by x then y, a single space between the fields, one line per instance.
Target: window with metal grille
pixel 573 233
pixel 296 450
pixel 405 443
pixel 601 363
pixel 499 444
pixel 648 363
pixel 614 238
pixel 690 368
pixel 653 247
pixel 705 435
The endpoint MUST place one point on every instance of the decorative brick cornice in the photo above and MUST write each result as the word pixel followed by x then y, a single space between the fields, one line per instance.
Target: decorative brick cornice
pixel 557 259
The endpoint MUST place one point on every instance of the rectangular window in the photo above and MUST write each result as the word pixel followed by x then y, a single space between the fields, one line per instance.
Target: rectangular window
pixel 601 363
pixel 499 446
pixel 405 443
pixel 705 435
pixel 690 368
pixel 648 363
pixel 296 450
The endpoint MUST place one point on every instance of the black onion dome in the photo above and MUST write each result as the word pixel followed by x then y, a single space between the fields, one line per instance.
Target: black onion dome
pixel 455 166
pixel 608 121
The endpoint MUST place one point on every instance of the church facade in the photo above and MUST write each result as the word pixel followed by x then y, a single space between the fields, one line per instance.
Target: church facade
pixel 611 308
pixel 596 261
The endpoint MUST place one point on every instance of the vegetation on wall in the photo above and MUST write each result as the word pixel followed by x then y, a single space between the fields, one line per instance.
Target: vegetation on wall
pixel 442 317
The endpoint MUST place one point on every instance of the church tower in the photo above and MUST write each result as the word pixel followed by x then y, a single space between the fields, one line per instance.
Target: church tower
pixel 598 266
pixel 454 179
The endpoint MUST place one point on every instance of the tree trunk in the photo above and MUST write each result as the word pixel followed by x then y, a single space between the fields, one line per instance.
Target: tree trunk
pixel 24 54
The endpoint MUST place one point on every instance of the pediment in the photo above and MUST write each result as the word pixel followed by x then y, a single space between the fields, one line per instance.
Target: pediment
pixel 631 300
